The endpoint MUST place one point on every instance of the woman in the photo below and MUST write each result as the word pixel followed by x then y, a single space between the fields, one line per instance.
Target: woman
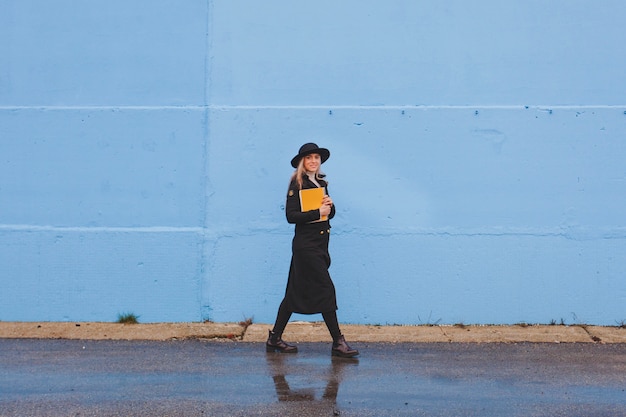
pixel 310 289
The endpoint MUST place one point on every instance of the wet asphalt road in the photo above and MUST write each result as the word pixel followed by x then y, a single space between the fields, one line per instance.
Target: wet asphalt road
pixel 206 378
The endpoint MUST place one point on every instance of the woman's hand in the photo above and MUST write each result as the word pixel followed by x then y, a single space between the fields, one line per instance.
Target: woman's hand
pixel 327 204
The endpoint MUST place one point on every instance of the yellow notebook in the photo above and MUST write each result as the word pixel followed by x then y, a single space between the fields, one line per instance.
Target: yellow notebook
pixel 311 199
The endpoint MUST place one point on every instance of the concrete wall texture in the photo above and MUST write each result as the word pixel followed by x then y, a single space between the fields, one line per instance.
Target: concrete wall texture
pixel 477 157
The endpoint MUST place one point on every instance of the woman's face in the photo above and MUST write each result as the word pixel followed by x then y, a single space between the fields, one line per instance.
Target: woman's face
pixel 312 162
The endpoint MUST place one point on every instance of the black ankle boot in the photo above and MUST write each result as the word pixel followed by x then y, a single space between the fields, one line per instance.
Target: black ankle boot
pixel 341 349
pixel 276 344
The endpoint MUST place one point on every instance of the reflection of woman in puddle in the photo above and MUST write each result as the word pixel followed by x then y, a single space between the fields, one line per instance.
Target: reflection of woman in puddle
pixel 310 289
pixel 286 394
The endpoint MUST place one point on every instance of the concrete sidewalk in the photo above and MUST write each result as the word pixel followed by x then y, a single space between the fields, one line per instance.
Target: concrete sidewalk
pixel 314 332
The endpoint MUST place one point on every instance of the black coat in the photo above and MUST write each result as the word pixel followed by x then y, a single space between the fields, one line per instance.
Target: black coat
pixel 310 289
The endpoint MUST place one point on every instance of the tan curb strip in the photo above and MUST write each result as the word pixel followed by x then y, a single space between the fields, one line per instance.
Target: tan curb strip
pixel 314 332
pixel 607 334
pixel 115 331
pixel 317 332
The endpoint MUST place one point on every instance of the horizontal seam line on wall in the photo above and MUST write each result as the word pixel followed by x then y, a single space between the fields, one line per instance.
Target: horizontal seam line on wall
pixel 419 107
pixel 324 107
pixel 199 108
pixel 576 234
pixel 143 229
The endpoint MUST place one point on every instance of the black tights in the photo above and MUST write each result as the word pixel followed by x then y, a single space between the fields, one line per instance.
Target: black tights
pixel 330 318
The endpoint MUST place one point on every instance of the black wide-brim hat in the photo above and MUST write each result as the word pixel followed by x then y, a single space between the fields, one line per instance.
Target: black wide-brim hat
pixel 307 149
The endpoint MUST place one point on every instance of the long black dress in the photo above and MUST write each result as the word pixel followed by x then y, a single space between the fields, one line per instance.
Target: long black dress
pixel 310 289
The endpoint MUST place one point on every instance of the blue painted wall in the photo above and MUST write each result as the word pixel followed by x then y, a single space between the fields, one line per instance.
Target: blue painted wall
pixel 477 158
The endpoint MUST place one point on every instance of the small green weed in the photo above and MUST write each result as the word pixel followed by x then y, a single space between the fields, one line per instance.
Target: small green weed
pixel 127 318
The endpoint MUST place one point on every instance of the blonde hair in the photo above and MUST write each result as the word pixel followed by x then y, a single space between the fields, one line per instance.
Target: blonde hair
pixel 299 173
